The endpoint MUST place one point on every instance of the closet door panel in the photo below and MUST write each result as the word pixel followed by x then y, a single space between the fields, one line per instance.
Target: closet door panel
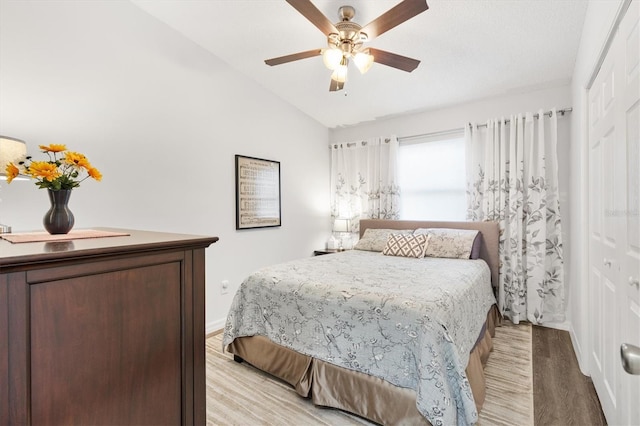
pixel 629 412
pixel 604 200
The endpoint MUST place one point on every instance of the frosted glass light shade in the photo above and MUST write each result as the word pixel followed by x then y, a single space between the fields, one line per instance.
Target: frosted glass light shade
pixel 363 61
pixel 11 151
pixel 331 58
pixel 340 74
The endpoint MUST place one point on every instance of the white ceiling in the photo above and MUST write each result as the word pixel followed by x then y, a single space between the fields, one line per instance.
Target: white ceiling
pixel 469 50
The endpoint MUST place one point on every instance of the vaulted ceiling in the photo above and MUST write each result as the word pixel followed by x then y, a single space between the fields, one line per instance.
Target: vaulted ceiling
pixel 469 50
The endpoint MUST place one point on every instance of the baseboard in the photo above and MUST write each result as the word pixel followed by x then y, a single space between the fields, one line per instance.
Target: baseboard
pixel 578 351
pixel 214 326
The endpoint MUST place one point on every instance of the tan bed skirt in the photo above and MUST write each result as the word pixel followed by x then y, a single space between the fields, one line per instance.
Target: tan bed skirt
pixel 367 396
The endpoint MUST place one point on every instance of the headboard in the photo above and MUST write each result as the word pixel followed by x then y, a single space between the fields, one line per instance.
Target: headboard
pixel 490 236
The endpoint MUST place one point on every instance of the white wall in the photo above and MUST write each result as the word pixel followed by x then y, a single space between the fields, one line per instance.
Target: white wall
pixel 479 112
pixel 162 119
pixel 599 19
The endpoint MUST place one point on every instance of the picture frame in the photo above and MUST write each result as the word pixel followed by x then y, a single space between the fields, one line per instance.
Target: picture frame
pixel 258 202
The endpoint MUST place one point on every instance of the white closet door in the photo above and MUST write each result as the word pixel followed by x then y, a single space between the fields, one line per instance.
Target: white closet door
pixel 629 49
pixel 604 276
pixel 614 229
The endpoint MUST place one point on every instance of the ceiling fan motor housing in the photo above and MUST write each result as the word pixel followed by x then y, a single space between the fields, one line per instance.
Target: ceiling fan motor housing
pixel 346 13
pixel 349 38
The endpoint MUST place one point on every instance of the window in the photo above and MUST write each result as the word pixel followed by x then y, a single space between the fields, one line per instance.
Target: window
pixel 432 178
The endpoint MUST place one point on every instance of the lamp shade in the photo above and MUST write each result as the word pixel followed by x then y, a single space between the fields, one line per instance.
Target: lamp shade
pixel 363 61
pixel 12 150
pixel 340 74
pixel 331 58
pixel 341 225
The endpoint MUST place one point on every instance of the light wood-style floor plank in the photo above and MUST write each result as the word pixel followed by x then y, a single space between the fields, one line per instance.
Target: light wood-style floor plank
pixel 562 394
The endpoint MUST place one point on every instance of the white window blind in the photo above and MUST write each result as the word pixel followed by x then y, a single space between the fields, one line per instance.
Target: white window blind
pixel 432 178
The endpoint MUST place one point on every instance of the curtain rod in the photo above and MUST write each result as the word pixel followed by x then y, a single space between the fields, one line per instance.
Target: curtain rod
pixel 548 113
pixel 562 111
pixel 440 133
pixel 350 144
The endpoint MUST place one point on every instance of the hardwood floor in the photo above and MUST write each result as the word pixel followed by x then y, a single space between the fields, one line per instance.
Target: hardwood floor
pixel 562 394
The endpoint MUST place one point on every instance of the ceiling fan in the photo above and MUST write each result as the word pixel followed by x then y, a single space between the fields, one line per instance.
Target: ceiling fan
pixel 346 39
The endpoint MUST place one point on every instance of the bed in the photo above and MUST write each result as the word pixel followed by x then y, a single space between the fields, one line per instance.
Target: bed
pixel 368 334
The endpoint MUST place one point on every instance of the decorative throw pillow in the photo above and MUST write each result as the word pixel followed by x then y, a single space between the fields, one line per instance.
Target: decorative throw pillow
pixel 406 245
pixel 475 249
pixel 376 239
pixel 445 242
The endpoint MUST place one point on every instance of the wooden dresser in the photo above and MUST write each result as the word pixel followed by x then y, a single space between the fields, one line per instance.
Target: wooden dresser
pixel 103 331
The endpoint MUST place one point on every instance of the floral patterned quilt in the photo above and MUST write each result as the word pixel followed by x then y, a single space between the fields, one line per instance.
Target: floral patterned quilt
pixel 409 321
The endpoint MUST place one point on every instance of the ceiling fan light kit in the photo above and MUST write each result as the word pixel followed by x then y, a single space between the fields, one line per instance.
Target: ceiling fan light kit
pixel 364 61
pixel 331 58
pixel 340 72
pixel 345 39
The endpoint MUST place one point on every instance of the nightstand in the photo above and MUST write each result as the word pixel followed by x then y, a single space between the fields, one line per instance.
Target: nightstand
pixel 326 251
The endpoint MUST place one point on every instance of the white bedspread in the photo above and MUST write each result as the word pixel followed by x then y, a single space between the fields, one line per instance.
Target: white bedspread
pixel 409 321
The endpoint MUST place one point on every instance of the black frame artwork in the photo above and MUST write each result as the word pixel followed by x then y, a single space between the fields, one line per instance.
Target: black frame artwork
pixel 257 193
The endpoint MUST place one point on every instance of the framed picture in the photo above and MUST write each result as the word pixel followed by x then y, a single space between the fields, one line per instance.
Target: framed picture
pixel 257 193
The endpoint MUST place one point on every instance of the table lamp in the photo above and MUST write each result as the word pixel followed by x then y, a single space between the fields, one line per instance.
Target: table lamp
pixel 12 150
pixel 341 226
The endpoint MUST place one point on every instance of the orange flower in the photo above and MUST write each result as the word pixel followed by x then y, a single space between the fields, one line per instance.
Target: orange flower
pixel 12 172
pixel 43 170
pixel 76 159
pixel 63 169
pixel 95 173
pixel 53 148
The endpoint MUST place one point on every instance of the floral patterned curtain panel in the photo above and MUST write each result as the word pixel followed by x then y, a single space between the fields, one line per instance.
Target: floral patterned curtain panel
pixel 512 178
pixel 364 181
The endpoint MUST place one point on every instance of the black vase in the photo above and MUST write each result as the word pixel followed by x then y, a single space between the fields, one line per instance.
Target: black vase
pixel 59 219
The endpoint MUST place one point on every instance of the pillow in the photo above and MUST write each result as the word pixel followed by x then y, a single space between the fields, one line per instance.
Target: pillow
pixel 451 243
pixel 406 245
pixel 475 249
pixel 376 239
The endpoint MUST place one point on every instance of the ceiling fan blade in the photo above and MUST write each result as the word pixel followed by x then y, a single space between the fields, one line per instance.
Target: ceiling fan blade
pixel 334 86
pixel 293 57
pixel 395 16
pixel 394 60
pixel 317 18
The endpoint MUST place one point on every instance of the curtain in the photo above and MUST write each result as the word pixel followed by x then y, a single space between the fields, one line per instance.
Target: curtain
pixel 364 181
pixel 512 178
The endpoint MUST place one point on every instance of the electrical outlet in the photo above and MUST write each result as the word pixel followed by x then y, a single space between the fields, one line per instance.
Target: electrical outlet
pixel 224 287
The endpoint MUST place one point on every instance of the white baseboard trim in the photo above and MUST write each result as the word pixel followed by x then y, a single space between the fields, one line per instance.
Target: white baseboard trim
pixel 214 326
pixel 578 351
